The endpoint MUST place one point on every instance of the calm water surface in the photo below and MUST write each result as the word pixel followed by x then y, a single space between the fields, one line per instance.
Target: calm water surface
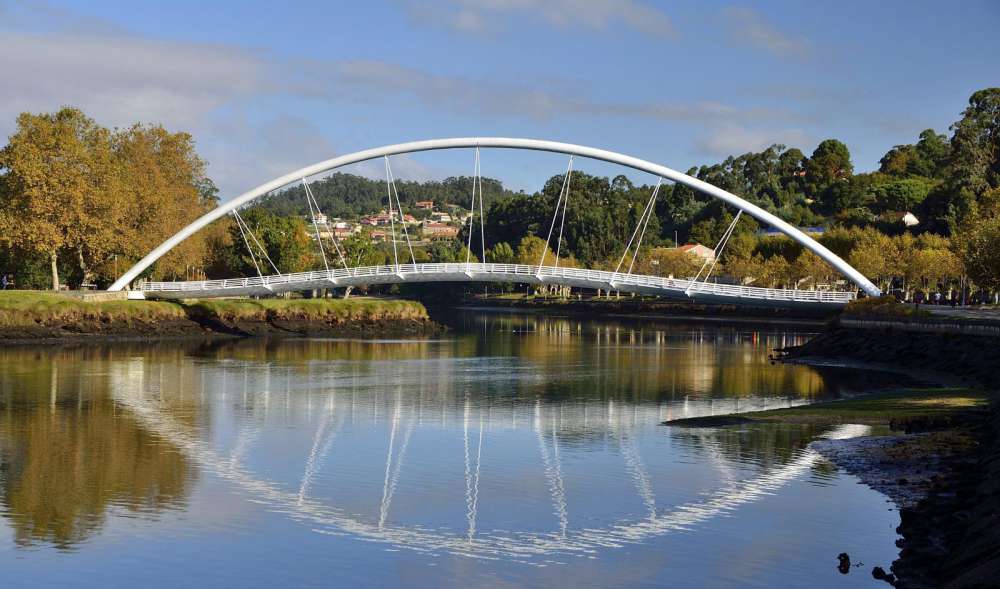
pixel 513 451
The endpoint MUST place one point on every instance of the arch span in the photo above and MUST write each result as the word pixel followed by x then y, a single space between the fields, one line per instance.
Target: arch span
pixel 751 209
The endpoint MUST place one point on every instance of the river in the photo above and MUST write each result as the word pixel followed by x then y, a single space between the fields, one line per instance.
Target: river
pixel 514 450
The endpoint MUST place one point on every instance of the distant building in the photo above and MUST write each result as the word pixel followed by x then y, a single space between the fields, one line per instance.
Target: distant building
pixel 383 218
pixel 907 218
pixel 426 205
pixel 439 231
pixel 696 249
pixel 441 217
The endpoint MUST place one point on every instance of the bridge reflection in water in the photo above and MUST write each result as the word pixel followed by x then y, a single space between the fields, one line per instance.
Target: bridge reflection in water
pixel 504 440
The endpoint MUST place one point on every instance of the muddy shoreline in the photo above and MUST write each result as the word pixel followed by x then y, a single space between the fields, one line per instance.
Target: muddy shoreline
pixel 188 329
pixel 944 475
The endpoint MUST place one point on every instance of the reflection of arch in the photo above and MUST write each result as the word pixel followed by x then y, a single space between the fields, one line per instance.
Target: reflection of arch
pixel 326 519
pixel 501 142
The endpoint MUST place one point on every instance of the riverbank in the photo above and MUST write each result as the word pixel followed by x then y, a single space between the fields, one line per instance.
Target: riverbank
pixel 951 536
pixel 942 467
pixel 639 307
pixel 27 317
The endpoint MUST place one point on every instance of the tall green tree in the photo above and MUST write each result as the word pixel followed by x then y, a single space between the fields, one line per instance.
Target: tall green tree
pixel 830 162
pixel 975 145
pixel 285 240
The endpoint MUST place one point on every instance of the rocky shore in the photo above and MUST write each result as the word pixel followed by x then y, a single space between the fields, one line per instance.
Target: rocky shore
pixel 945 472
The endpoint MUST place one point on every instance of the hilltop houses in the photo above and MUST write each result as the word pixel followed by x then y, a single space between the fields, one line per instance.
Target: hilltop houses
pixel 382 218
pixel 435 224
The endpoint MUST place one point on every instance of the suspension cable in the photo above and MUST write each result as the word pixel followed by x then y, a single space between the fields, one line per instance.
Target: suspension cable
pixel 649 215
pixel 399 208
pixel 476 181
pixel 715 253
pixel 262 249
pixel 392 222
pixel 239 224
pixel 724 244
pixel 562 222
pixel 312 213
pixel 402 219
pixel 562 191
pixel 642 218
pixel 482 216
pixel 315 203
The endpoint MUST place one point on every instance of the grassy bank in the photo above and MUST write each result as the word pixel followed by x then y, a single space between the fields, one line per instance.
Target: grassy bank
pixel 20 308
pixel 896 407
pixel 33 315
pixel 321 310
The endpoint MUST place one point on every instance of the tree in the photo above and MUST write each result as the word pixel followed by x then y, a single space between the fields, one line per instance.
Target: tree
pixel 981 252
pixel 810 268
pixel 91 200
pixel 928 158
pixel 973 170
pixel 165 188
pixel 905 194
pixel 529 252
pixel 501 253
pixel 285 240
pixel 975 145
pixel 875 255
pixel 61 191
pixel 829 163
pixel 662 261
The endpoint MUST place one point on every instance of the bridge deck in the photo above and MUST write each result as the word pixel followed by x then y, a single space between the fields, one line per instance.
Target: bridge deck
pixel 518 273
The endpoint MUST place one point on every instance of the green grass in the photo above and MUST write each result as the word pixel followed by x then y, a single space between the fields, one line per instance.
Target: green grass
pixel 21 308
pixel 875 409
pixel 28 308
pixel 327 310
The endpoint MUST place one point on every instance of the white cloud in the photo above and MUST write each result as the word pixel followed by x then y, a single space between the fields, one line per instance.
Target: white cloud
pixel 727 140
pixel 375 80
pixel 121 79
pixel 479 16
pixel 209 89
pixel 749 27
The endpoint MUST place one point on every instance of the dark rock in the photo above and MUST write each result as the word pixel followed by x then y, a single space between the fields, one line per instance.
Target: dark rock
pixel 845 563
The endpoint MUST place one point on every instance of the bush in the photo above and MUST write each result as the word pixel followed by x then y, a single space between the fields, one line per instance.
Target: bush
pixel 883 306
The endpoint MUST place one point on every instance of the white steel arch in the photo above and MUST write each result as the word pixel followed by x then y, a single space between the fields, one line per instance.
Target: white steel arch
pixel 507 143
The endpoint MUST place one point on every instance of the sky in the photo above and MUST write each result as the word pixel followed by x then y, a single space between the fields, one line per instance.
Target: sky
pixel 269 87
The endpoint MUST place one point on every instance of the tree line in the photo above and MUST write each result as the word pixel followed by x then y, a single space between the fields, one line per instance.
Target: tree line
pixel 74 196
pixel 951 184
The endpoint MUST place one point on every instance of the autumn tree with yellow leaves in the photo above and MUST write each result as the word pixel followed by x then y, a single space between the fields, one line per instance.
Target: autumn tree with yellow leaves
pixel 89 199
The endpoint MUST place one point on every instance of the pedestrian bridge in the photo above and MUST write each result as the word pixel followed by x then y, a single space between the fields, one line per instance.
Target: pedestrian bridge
pixel 684 289
pixel 699 288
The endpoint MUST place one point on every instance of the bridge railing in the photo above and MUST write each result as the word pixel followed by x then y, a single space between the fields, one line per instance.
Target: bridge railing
pixel 543 274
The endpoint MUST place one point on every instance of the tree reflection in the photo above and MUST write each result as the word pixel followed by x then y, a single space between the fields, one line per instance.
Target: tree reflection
pixel 68 455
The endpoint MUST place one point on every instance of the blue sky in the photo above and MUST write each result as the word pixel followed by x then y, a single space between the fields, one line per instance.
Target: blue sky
pixel 268 87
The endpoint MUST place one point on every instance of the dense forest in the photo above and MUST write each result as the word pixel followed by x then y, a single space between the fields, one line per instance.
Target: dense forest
pixel 144 183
